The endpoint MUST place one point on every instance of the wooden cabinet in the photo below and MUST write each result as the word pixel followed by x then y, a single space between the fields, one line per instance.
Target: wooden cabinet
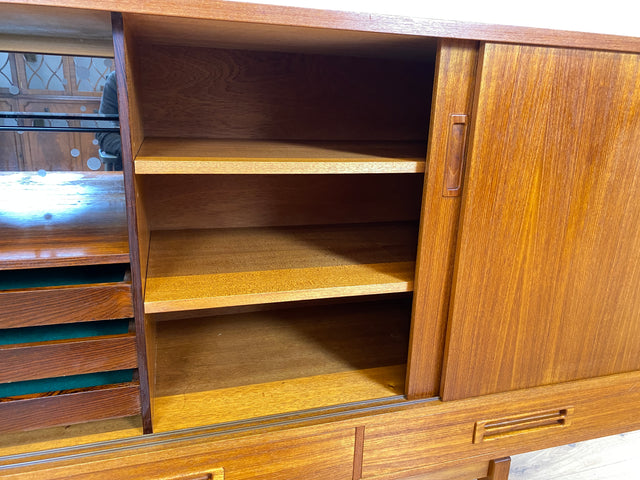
pixel 281 209
pixel 362 252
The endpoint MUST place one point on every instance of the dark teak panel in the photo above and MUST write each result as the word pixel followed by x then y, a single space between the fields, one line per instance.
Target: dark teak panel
pixel 214 93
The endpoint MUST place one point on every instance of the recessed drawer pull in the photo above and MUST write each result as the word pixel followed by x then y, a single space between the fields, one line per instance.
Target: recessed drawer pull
pixel 520 424
pixel 212 474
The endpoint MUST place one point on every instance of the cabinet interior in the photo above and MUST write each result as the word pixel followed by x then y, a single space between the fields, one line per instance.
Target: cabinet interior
pixel 279 193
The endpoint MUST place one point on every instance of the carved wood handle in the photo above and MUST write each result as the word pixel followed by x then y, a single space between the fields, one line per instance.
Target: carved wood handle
pixel 454 162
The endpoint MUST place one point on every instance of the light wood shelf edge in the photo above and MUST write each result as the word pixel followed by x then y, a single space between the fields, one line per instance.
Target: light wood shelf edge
pixel 209 156
pixel 271 286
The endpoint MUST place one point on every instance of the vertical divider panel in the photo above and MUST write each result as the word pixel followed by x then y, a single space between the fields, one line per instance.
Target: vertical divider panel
pixel 452 95
pixel 132 135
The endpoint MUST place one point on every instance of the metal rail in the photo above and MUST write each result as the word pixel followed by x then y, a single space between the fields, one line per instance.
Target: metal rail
pixel 112 119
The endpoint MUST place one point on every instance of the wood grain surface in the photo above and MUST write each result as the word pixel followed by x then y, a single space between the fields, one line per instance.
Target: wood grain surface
pixel 35 412
pixel 227 351
pixel 194 269
pixel 547 276
pixel 275 398
pixel 174 202
pixel 453 94
pixel 58 358
pixel 276 456
pixel 14 443
pixel 216 93
pixel 236 367
pixel 205 156
pixel 69 304
pixel 61 219
pixel 402 441
pixel 131 134
pixel 198 32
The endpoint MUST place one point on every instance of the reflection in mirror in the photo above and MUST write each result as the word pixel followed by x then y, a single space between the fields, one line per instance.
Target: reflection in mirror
pixel 64 256
pixel 54 84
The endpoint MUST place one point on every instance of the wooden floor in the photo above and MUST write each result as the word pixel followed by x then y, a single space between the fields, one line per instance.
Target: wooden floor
pixel 609 458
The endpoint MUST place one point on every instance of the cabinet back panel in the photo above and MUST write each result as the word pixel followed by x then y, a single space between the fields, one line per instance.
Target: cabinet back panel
pixel 215 93
pixel 244 349
pixel 220 201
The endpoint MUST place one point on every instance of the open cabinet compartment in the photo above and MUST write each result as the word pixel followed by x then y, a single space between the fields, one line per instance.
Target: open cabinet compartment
pixel 278 188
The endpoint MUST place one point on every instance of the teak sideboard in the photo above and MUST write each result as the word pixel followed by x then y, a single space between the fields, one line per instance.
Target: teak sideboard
pixel 351 246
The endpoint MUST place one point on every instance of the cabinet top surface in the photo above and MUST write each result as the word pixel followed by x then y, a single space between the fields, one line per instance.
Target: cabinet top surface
pixel 607 29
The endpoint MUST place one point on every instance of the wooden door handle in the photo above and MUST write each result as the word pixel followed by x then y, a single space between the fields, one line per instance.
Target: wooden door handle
pixel 454 162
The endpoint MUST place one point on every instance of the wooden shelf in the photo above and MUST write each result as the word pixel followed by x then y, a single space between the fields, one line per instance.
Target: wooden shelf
pixel 62 219
pixel 198 269
pixel 206 156
pixel 274 398
pixel 242 366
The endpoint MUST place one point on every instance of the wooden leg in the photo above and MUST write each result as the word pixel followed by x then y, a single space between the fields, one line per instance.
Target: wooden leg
pixel 499 469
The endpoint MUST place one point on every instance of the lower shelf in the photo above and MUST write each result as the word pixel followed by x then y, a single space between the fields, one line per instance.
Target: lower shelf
pixel 248 365
pixel 276 398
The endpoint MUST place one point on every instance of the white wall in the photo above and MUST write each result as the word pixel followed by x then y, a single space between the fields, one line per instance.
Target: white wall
pixel 618 17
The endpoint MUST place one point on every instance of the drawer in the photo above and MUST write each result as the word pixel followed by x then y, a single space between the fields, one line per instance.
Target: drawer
pixel 64 295
pixel 51 296
pixel 60 358
pixel 55 305
pixel 499 425
pixel 309 453
pixel 32 412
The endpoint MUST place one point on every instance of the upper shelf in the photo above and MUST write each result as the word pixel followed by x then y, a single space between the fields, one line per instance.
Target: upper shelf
pixel 199 269
pixel 56 219
pixel 207 156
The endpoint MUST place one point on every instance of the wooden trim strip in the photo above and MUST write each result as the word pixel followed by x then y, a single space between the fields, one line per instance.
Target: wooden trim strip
pixel 358 452
pixel 67 304
pixel 65 409
pixel 32 361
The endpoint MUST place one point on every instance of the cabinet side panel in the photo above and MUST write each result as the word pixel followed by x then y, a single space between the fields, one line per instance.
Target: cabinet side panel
pixel 131 133
pixel 453 95
pixel 547 274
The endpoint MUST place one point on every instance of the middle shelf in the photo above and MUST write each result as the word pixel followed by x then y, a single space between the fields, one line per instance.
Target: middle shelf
pixel 227 156
pixel 210 268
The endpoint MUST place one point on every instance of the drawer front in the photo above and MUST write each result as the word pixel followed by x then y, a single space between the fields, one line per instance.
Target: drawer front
pixel 59 358
pixel 309 453
pixel 100 403
pixel 56 305
pixel 500 425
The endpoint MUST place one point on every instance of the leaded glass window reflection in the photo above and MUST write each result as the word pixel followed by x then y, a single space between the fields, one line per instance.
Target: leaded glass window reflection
pixel 44 72
pixel 6 76
pixel 91 73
